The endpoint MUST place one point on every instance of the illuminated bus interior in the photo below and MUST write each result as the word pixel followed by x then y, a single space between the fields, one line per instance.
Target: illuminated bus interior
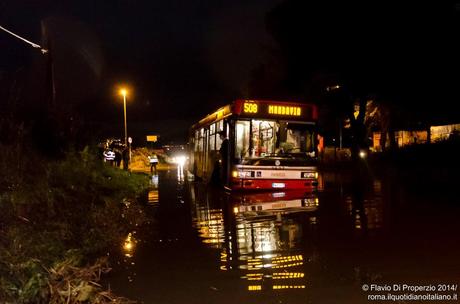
pixel 263 138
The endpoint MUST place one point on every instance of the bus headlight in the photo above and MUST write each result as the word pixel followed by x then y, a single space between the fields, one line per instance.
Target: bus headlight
pixel 243 174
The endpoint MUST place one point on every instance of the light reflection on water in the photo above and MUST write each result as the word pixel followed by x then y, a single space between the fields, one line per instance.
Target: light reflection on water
pixel 269 237
pixel 259 235
pixel 290 247
pixel 367 213
pixel 129 245
pixel 129 249
pixel 153 195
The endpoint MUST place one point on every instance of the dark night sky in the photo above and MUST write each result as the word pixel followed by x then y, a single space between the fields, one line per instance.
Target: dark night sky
pixel 184 58
pixel 194 55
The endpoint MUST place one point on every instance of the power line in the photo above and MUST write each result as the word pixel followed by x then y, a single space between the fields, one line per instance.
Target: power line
pixel 34 45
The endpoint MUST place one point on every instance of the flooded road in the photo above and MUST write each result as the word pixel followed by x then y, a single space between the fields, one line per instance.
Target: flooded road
pixel 202 245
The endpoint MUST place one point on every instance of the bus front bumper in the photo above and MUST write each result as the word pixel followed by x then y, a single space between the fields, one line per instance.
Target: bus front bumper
pixel 273 184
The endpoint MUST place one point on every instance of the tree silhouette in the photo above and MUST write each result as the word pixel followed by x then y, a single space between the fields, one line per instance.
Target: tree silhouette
pixel 373 52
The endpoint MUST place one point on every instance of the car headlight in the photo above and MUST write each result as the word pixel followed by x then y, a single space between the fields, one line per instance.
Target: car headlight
pixel 180 160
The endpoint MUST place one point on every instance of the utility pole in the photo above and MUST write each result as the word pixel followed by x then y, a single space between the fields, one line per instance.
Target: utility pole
pixel 50 72
pixel 34 45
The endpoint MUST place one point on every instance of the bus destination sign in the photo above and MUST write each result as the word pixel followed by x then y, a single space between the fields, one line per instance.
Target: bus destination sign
pixel 284 110
pixel 254 108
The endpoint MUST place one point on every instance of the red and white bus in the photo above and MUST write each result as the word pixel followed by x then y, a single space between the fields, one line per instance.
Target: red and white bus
pixel 271 145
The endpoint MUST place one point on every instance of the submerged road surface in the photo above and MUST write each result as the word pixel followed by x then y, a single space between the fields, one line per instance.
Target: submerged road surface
pixel 357 240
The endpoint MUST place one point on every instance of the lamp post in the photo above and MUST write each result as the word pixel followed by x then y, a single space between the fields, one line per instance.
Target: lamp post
pixel 124 92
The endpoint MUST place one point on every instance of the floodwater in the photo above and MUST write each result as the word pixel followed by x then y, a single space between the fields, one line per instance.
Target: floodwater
pixel 203 245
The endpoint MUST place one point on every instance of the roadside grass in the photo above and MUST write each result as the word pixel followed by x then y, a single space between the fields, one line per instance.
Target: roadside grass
pixel 57 220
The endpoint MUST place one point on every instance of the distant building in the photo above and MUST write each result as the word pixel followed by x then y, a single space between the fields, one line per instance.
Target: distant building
pixel 402 138
pixel 443 132
pixel 406 137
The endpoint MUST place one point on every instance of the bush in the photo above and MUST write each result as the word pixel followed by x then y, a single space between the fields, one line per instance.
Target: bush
pixel 56 217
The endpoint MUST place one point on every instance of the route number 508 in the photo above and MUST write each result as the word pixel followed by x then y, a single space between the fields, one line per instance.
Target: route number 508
pixel 250 108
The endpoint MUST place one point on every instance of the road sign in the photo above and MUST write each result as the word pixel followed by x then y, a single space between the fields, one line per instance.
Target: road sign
pixel 153 138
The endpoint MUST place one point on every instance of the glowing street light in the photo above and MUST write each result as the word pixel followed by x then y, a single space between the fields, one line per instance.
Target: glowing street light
pixel 332 88
pixel 124 92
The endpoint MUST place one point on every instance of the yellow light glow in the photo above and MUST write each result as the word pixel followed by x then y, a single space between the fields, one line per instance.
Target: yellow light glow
pixel 128 245
pixel 288 286
pixel 220 114
pixel 287 275
pixel 123 92
pixel 235 173
pixel 235 210
pixel 254 287
pixel 288 265
pixel 250 107
pixel 298 257
pixel 254 278
pixel 284 110
pixel 152 138
pixel 153 196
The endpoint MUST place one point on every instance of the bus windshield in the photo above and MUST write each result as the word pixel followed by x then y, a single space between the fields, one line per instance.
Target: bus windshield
pixel 299 139
pixel 267 138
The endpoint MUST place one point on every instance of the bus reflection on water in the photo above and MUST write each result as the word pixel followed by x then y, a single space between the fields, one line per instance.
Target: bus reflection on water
pixel 259 235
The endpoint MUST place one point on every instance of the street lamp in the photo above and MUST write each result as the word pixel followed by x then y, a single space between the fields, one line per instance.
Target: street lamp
pixel 330 89
pixel 124 92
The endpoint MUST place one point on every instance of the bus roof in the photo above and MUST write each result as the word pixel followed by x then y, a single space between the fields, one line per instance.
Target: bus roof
pixel 268 109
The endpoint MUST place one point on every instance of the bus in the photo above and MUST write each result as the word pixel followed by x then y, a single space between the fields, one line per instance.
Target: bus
pixel 270 145
pixel 265 204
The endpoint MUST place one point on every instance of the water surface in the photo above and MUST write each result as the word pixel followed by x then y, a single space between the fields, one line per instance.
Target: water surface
pixel 203 245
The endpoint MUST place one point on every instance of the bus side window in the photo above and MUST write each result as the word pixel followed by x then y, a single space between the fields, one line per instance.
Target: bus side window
pixel 212 138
